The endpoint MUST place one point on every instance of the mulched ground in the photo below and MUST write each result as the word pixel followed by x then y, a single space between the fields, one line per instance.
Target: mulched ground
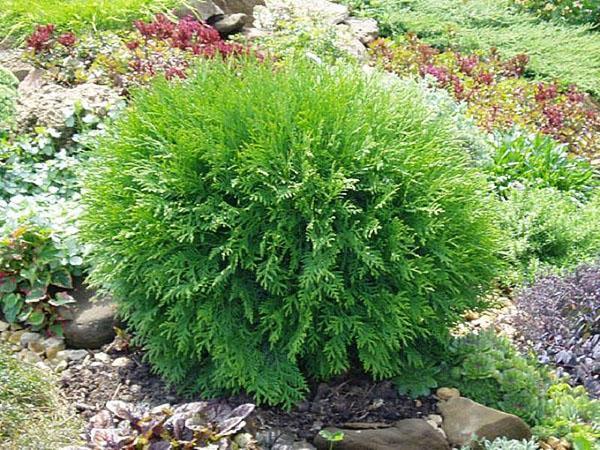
pixel 353 400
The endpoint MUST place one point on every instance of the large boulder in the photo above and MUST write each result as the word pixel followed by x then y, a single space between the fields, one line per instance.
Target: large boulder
pixel 239 6
pixel 49 105
pixel 201 9
pixel 465 419
pixel 409 434
pixel 91 320
pixel 14 62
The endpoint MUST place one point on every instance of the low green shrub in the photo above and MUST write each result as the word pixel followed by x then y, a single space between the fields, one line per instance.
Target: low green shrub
pixel 262 225
pixel 33 415
pixel 548 230
pixel 19 18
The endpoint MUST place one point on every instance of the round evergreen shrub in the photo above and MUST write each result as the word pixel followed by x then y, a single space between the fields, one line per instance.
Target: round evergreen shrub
pixel 262 226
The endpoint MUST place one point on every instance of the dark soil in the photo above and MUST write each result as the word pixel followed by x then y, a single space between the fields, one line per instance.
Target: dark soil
pixel 352 401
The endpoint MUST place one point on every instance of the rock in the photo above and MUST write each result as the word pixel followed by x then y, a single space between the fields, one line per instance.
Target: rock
pixel 239 6
pixel 243 440
pixel 15 338
pixel 409 434
pixel 3 326
pixel 435 418
pixel 49 104
pixel 122 362
pixel 29 357
pixel 103 358
pixel 53 345
pixel 33 80
pixel 71 355
pixel 365 30
pixel 232 23
pixel 275 439
pixel 36 347
pixel 92 320
pixel 13 61
pixel 464 418
pixel 446 393
pixel 323 11
pixel 200 9
pixel 28 337
pixel 302 445
pixel 472 315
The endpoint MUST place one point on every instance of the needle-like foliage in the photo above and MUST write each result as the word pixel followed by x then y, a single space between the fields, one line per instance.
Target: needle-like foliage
pixel 263 226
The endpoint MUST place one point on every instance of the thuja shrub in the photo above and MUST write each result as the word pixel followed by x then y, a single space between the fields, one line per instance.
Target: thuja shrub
pixel 266 226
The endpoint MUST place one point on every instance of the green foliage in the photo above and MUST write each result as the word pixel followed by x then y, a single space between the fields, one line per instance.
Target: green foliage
pixel 263 225
pixel 497 93
pixel 387 13
pixel 534 160
pixel 8 94
pixel 565 52
pixel 572 414
pixel 32 414
pixel 19 18
pixel 39 253
pixel 489 370
pixel 548 230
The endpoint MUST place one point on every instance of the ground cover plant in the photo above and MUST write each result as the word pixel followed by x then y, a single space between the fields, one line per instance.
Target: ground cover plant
pixel 572 11
pixel 548 231
pixel 490 370
pixel 32 413
pixel 18 19
pixel 8 93
pixel 276 223
pixel 160 46
pixel 560 319
pixel 498 95
pixel 562 52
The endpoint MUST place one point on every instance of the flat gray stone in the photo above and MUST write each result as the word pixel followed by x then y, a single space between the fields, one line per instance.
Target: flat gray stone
pixel 409 434
pixel 92 319
pixel 464 419
pixel 232 23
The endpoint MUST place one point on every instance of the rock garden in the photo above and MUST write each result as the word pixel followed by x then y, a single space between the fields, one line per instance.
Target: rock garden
pixel 300 224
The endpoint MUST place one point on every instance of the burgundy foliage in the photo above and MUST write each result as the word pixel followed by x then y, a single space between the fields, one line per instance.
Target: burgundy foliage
pixel 561 321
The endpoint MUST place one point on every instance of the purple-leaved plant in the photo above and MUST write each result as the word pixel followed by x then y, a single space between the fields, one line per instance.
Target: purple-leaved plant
pixel 561 321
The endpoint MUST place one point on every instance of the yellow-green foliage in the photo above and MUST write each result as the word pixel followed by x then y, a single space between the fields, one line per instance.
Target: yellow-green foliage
pixel 18 18
pixel 262 226
pixel 32 413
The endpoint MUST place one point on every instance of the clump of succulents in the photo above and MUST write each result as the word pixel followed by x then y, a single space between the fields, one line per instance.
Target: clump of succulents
pixel 192 425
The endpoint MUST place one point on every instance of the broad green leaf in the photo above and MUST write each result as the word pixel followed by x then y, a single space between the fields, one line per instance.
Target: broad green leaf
pixel 8 285
pixel 36 295
pixel 11 307
pixel 36 318
pixel 62 278
pixel 61 298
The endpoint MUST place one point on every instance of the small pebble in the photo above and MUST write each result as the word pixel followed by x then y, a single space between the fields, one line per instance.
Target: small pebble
pixel 103 358
pixel 446 393
pixel 121 362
